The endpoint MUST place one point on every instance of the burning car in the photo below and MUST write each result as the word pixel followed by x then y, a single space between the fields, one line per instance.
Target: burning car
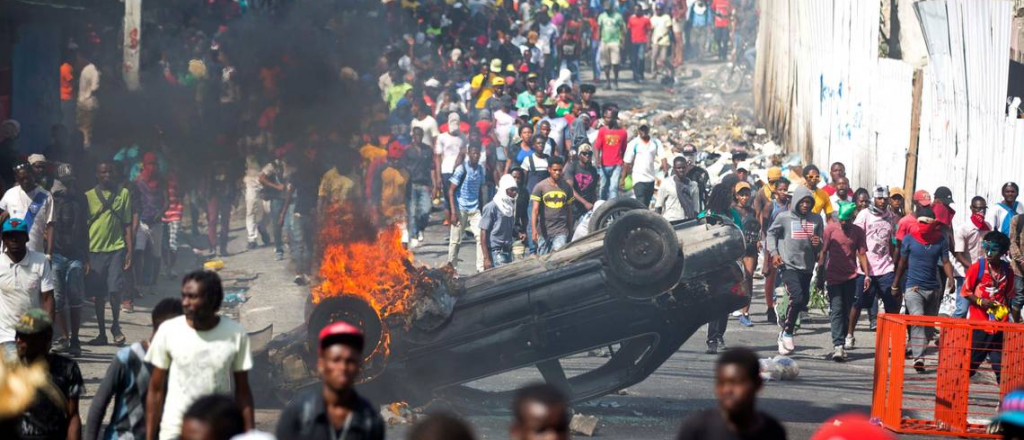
pixel 432 332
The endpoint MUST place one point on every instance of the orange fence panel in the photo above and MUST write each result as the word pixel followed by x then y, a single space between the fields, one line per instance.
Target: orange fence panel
pixel 967 368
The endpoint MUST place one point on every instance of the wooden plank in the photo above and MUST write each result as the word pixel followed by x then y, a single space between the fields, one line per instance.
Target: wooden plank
pixel 910 182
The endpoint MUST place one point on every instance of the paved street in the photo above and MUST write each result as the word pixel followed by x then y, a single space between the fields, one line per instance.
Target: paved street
pixel 652 409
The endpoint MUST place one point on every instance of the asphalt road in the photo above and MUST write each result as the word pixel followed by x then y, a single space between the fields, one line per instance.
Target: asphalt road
pixel 652 409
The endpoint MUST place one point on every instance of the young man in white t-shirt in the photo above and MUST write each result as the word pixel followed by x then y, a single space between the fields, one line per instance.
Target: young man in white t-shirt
pixel 423 120
pixel 196 355
pixel 32 204
pixel 28 282
pixel 640 161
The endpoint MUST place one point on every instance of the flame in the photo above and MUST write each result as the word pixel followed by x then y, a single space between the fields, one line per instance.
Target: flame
pixel 361 261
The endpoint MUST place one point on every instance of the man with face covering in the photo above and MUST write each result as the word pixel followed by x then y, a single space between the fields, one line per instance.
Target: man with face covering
pixel 922 250
pixel 497 224
pixel 335 410
pixel 879 225
pixel 843 247
pixel 794 240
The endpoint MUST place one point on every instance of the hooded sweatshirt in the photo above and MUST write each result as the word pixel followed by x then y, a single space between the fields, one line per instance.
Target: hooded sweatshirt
pixel 790 235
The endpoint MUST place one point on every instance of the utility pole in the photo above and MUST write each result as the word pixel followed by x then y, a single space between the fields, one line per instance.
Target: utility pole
pixel 910 181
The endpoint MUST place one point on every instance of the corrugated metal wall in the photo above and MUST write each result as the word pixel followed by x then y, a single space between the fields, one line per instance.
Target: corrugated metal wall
pixel 821 87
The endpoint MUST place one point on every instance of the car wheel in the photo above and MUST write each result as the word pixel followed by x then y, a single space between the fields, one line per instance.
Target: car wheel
pixel 358 312
pixel 642 254
pixel 612 210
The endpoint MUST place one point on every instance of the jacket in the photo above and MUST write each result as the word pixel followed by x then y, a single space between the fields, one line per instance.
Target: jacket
pixel 790 235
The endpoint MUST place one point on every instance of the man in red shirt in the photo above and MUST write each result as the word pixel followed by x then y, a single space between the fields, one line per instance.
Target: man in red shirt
pixel 610 147
pixel 988 287
pixel 639 31
pixel 722 10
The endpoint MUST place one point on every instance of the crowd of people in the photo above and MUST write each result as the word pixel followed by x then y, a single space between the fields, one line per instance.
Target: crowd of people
pixel 475 109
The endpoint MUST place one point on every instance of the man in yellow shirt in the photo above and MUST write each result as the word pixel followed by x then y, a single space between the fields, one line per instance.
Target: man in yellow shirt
pixel 812 177
pixel 482 83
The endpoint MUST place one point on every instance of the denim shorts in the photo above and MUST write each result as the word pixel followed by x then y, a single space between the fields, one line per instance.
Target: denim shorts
pixel 68 282
pixel 881 287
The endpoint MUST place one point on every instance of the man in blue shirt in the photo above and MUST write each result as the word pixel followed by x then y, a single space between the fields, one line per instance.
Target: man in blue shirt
pixel 464 193
pixel 921 251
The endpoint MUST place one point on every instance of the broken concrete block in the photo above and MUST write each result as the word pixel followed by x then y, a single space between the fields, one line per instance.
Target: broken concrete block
pixel 294 368
pixel 583 425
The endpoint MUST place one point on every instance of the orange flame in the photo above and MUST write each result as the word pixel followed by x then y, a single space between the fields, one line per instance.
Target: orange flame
pixel 361 261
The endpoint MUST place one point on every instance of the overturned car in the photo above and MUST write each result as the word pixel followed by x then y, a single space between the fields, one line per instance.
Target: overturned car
pixel 658 282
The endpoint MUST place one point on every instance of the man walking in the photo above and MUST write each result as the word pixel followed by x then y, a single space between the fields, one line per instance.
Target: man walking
pixel 639 32
pixel 70 255
pixel 110 239
pixel 464 193
pixel 612 28
pixel 967 248
pixel 922 250
pixel 334 410
pixel 794 240
pixel 879 225
pixel 30 279
pixel 47 418
pixel 31 203
pixel 843 246
pixel 194 355
pixel 610 147
pixel 552 204
pixel 1004 212
pixel 640 162
pixel 498 224
pixel 418 162
pixel 677 198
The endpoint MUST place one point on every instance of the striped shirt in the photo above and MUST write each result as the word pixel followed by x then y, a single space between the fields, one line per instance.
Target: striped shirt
pixel 467 195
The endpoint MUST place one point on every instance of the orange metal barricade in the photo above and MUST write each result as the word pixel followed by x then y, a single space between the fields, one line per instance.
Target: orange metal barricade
pixel 948 397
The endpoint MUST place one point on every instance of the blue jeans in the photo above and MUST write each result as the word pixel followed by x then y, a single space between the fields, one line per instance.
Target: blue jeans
pixel 500 257
pixel 610 181
pixel 276 205
pixel 595 59
pixel 638 60
pixel 68 282
pixel 419 208
pixel 299 251
pixel 961 302
pixel 549 245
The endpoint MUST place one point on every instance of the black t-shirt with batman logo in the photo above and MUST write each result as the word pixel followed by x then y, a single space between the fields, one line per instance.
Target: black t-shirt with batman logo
pixel 555 202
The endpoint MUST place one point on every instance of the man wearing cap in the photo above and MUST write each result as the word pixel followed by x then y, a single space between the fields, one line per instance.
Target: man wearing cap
pixel 482 84
pixel 195 355
pixel 41 170
pixel 447 149
pixel 47 418
pixel 897 202
pixel 583 177
pixel 110 238
pixel 923 248
pixel 334 410
pixel 943 212
pixel 28 281
pixel 70 257
pixel 879 225
pixel 494 101
pixel 32 204
pixel 640 162
pixel 527 99
pixel 843 247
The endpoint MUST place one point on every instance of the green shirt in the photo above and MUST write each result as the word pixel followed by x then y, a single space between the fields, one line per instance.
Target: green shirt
pixel 396 93
pixel 526 100
pixel 610 27
pixel 106 229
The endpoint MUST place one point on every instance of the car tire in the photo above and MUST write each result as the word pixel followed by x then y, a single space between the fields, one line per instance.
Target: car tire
pixel 611 210
pixel 642 255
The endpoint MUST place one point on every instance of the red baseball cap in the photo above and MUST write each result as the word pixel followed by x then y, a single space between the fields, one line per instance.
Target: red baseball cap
pixel 922 197
pixel 851 426
pixel 342 329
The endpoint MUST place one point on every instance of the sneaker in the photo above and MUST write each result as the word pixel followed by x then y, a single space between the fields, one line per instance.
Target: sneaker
pixel 279 256
pixel 712 348
pixel 98 341
pixel 786 345
pixel 919 366
pixel 414 243
pixel 872 327
pixel 745 321
pixel 119 339
pixel 75 349
pixel 771 317
pixel 721 344
pixel 62 345
pixel 419 236
pixel 850 342
pixel 128 306
pixel 839 354
pixel 737 314
pixel 301 280
pixel 253 245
